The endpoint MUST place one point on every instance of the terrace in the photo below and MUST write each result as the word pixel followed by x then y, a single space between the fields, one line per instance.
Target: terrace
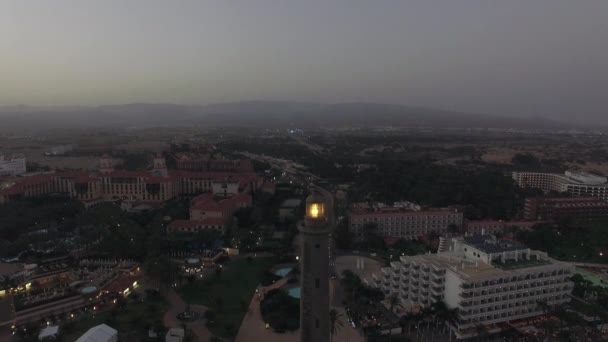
pixel 510 265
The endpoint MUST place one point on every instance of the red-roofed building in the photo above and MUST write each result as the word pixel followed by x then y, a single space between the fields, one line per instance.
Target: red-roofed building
pixel 542 208
pixel 211 212
pixel 402 222
pixel 154 186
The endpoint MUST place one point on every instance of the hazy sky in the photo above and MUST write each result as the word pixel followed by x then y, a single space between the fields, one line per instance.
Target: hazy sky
pixel 507 57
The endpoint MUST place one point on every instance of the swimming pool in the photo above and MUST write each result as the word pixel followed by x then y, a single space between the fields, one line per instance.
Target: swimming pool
pixel 294 292
pixel 193 261
pixel 88 290
pixel 281 272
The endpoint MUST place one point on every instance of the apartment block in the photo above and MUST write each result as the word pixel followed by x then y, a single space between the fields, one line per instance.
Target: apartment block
pixel 576 183
pixel 490 282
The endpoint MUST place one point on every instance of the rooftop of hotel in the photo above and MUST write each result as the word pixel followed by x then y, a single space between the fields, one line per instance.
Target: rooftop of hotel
pixel 455 262
pixel 490 244
pixel 585 177
pixel 474 270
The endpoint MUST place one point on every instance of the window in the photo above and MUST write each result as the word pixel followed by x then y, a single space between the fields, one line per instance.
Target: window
pixel 317 246
pixel 316 323
pixel 317 283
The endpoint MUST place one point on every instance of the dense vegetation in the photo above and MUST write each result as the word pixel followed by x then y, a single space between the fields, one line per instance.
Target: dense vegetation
pixel 397 170
pixel 33 222
pixel 280 311
pixel 228 293
pixel 490 192
pixel 583 241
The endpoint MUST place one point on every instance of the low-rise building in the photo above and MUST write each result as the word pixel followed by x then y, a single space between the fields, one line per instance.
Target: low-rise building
pixel 543 208
pixel 490 281
pixel 576 183
pixel 404 222
pixel 211 212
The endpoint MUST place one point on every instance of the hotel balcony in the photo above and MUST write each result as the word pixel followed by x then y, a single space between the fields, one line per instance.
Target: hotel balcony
pixel 439 277
pixel 467 287
pixel 436 290
pixel 529 300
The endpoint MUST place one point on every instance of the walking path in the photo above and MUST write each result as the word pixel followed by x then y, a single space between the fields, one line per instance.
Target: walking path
pixel 176 306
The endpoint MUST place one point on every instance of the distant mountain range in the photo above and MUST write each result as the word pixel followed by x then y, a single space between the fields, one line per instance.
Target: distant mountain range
pixel 259 114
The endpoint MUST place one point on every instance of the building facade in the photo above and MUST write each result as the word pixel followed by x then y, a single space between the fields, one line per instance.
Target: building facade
pixel 543 208
pixel 576 183
pixel 12 166
pixel 484 227
pixel 489 281
pixel 402 222
pixel 107 184
pixel 211 212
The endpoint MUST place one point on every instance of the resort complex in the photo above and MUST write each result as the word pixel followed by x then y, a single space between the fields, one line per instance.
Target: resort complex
pixel 108 184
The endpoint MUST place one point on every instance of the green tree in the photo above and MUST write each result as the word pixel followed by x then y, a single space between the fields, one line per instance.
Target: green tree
pixel 393 300
pixel 335 322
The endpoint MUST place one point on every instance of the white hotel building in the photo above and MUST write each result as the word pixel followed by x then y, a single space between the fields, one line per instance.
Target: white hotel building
pixel 489 281
pixel 576 183
pixel 12 167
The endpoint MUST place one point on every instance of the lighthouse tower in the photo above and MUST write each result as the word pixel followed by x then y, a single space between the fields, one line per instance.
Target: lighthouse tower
pixel 314 268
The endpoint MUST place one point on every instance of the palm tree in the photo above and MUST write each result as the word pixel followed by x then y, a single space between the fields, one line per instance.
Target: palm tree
pixel 335 322
pixel 219 303
pixel 393 300
pixel 442 313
